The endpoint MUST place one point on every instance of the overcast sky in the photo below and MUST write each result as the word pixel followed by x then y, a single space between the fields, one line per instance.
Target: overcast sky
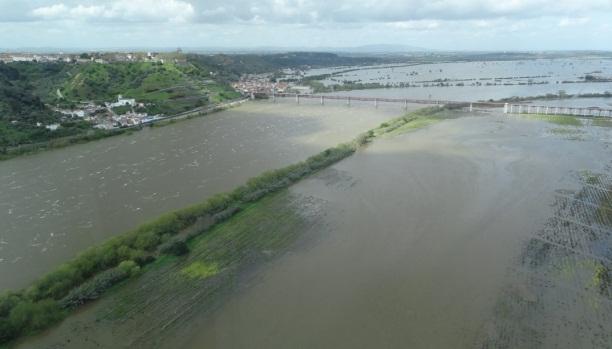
pixel 436 24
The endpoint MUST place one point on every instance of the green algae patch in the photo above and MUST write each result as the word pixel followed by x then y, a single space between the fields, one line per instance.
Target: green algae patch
pixel 602 122
pixel 200 270
pixel 590 177
pixel 565 131
pixel 569 133
pixel 564 120
pixel 605 210
pixel 602 278
pixel 409 122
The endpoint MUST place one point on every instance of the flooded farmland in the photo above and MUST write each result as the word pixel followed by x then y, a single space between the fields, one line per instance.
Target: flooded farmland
pixel 471 81
pixel 57 203
pixel 486 231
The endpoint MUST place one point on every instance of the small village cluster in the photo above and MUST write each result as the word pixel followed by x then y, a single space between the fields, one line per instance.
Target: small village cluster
pixel 106 116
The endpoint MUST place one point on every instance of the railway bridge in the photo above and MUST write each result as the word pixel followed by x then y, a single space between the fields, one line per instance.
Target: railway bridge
pixel 508 108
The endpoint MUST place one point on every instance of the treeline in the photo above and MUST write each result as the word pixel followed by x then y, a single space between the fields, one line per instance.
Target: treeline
pixel 67 135
pixel 18 100
pixel 86 277
pixel 232 67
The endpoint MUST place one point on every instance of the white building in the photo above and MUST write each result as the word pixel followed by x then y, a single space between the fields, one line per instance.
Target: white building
pixel 123 102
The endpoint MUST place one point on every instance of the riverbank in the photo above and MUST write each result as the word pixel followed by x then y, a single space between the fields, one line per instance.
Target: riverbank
pixel 86 277
pixel 97 134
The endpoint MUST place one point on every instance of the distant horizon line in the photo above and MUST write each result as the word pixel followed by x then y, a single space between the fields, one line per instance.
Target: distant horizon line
pixel 364 49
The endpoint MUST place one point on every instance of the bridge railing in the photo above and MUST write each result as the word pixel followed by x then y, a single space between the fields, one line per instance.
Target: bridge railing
pixel 556 110
pixel 470 106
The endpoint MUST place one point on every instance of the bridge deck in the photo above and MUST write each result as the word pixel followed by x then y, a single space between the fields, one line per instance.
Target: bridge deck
pixel 508 108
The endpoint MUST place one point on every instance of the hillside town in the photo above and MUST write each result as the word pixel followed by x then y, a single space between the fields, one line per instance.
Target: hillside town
pixel 97 57
pixel 260 84
pixel 124 112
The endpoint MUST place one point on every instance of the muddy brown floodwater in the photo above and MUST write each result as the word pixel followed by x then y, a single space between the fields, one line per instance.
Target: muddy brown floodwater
pixel 57 203
pixel 475 232
pixel 423 245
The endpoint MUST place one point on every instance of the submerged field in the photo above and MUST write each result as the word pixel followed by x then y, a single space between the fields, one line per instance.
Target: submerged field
pixel 478 231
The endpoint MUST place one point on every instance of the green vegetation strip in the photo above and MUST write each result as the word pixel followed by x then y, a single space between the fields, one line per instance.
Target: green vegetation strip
pixel 565 120
pixel 86 277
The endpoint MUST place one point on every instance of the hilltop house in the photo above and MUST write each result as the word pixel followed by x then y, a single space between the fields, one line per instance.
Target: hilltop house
pixel 123 102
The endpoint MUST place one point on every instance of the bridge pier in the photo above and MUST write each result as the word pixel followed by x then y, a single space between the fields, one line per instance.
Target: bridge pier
pixel 375 102
pixel 505 107
pixel 297 98
pixel 406 105
pixel 348 101
pixel 322 100
pixel 546 112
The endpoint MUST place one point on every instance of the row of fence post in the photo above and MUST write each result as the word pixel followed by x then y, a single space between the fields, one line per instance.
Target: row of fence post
pixel 548 110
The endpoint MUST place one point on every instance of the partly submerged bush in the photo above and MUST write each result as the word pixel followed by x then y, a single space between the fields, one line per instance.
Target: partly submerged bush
pixel 19 316
pixel 94 288
pixel 175 247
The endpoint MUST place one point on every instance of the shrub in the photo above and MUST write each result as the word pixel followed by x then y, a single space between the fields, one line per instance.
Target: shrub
pixel 174 248
pixel 94 288
pixel 225 214
pixel 29 317
pixel 26 316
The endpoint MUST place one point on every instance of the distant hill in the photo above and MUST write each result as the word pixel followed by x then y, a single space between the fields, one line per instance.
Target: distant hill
pixel 168 88
pixel 29 89
pixel 231 67
pixel 17 98
pixel 23 113
pixel 382 48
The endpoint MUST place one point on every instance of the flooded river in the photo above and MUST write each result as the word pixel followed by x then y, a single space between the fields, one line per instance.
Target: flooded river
pixel 57 203
pixel 447 237
pixel 423 244
pixel 472 81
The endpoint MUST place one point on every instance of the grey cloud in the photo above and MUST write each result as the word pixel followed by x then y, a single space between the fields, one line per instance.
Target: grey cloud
pixel 346 11
pixel 292 11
